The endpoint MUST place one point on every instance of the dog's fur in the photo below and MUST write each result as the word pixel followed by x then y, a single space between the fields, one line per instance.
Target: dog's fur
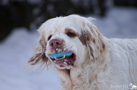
pixel 101 63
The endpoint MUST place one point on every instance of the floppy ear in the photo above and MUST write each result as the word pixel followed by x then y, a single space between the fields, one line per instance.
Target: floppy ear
pixel 93 40
pixel 39 52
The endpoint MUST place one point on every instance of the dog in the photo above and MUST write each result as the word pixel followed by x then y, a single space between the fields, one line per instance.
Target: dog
pixel 83 58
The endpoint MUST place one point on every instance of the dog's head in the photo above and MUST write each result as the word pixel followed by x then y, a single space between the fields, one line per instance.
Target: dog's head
pixel 67 42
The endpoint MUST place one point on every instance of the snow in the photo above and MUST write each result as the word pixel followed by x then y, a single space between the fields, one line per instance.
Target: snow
pixel 15 51
pixel 15 74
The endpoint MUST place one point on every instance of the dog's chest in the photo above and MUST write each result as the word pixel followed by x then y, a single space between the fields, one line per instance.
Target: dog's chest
pixel 78 80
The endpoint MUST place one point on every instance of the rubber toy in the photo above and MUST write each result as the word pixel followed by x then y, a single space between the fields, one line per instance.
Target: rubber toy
pixel 60 55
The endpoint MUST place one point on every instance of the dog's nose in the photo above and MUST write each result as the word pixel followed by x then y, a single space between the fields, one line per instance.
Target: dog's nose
pixel 55 43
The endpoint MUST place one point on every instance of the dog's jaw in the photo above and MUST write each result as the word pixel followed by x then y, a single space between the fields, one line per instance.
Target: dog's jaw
pixel 66 62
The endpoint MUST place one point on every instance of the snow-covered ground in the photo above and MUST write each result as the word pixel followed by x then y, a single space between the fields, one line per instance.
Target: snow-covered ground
pixel 15 51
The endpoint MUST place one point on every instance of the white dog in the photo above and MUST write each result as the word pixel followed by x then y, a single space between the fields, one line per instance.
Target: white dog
pixel 83 58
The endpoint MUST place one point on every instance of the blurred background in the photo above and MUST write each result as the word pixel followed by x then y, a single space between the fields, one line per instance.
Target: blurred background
pixel 19 20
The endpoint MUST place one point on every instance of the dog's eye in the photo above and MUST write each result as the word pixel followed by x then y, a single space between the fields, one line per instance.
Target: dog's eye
pixel 70 34
pixel 49 37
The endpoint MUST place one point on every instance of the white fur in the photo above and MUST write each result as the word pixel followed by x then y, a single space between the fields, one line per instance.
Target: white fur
pixel 113 69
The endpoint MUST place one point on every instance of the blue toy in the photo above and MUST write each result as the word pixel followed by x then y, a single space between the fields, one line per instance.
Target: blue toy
pixel 60 55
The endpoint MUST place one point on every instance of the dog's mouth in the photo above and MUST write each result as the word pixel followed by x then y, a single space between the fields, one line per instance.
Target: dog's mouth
pixel 63 58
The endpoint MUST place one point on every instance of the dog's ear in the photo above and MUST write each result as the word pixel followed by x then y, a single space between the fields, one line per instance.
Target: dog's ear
pixel 39 56
pixel 93 40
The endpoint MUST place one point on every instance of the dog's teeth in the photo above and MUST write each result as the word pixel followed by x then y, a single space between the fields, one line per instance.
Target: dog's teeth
pixel 65 60
pixel 59 50
pixel 54 61
pixel 70 63
pixel 55 58
pixel 65 63
pixel 64 56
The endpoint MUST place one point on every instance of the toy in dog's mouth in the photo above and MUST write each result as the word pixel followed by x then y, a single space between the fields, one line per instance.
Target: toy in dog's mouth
pixel 63 58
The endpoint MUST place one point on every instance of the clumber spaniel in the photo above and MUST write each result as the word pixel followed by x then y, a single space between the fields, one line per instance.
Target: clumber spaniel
pixel 83 58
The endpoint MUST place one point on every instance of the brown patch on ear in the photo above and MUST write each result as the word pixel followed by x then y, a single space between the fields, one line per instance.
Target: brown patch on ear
pixel 39 53
pixel 38 58
pixel 101 40
pixel 100 51
pixel 91 52
pixel 93 40
pixel 85 37
pixel 81 38
pixel 103 46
